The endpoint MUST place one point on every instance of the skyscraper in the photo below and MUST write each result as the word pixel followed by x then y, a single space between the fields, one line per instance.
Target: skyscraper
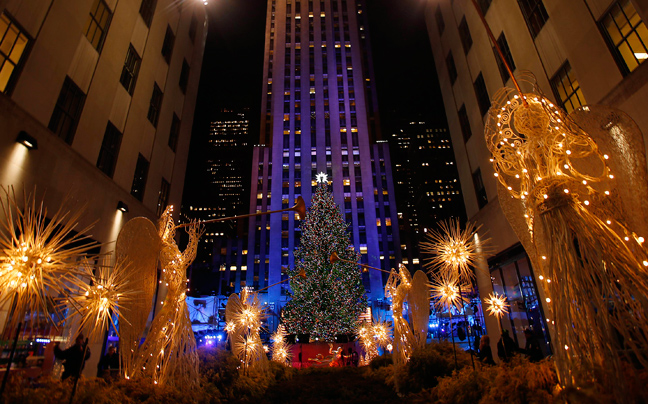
pixel 427 183
pixel 319 115
pixel 226 167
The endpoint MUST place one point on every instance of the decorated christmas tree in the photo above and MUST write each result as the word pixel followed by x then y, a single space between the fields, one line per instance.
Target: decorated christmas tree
pixel 329 299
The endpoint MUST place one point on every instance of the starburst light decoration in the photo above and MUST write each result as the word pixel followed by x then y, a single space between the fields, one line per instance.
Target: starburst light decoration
pixel 168 355
pixel 321 178
pixel 243 317
pixel 453 250
pixel 100 295
pixel 497 305
pixel 579 224
pixel 373 336
pixel 445 289
pixel 40 254
pixel 280 347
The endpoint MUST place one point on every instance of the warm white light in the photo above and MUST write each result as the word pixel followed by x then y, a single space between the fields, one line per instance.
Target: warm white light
pixel 548 300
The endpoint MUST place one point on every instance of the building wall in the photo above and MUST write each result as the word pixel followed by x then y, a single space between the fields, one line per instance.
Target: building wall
pixel 571 33
pixel 58 48
pixel 318 115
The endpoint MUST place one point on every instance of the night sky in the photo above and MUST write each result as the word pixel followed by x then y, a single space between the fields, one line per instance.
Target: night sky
pixel 233 67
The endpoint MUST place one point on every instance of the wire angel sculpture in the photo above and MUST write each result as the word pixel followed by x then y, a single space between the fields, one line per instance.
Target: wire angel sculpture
pixel 373 336
pixel 281 349
pixel 558 188
pixel 401 288
pixel 169 354
pixel 243 317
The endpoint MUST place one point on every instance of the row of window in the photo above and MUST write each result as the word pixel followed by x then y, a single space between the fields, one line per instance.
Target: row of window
pixel 15 42
pixel 625 32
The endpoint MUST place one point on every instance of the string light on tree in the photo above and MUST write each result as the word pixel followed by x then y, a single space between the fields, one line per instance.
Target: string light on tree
pixel 329 298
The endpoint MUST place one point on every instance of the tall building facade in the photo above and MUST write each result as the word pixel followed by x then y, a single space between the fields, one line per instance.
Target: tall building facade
pixel 100 96
pixel 427 184
pixel 319 115
pixel 227 166
pixel 581 52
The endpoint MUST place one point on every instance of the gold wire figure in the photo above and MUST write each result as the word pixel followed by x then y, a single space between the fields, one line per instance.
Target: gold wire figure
pixel 168 354
pixel 281 349
pixel 397 287
pixel 555 189
pixel 243 316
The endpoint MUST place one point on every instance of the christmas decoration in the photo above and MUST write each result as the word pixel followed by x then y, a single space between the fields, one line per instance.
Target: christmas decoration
pixel 40 255
pixel 497 305
pixel 328 301
pixel 397 287
pixel 446 291
pixel 562 199
pixel 452 250
pixel 137 247
pixel 280 348
pixel 243 316
pixel 453 255
pixel 100 295
pixel 168 354
pixel 373 336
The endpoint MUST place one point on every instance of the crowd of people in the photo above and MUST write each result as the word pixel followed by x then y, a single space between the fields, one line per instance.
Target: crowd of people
pixel 506 348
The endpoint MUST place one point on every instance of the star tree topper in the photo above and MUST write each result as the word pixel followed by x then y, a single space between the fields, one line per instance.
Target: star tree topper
pixel 321 178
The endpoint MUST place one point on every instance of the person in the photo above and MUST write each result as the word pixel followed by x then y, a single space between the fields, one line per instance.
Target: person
pixel 485 353
pixel 532 346
pixel 506 347
pixel 354 358
pixel 73 358
pixel 108 366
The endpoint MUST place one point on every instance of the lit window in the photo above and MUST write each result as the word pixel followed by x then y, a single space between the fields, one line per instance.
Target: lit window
pixel 13 46
pixel 97 24
pixel 626 34
pixel 566 88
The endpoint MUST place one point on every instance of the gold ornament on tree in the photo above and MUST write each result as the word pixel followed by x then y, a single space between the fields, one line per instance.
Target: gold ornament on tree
pixel 560 195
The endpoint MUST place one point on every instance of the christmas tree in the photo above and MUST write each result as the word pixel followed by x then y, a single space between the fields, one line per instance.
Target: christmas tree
pixel 330 298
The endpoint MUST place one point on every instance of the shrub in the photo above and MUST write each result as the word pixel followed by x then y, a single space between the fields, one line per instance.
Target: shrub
pixel 427 365
pixel 519 381
pixel 380 361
